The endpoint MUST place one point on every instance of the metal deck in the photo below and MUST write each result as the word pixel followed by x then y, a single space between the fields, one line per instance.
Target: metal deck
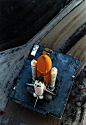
pixel 67 67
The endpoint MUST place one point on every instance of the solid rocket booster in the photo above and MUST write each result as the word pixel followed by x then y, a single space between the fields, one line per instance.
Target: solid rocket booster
pixel 53 77
pixel 34 69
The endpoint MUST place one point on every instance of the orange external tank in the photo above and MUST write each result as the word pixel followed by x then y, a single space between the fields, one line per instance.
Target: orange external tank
pixel 44 65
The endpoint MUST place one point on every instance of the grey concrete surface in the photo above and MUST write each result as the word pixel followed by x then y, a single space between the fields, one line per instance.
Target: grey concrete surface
pixel 7 121
pixel 21 114
pixel 1 117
